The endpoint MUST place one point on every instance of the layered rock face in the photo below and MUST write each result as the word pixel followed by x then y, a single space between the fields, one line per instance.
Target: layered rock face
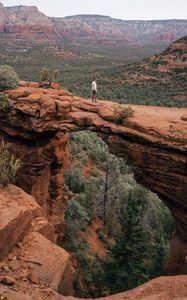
pixel 27 23
pixel 153 142
pixel 44 153
pixel 103 27
pixel 29 258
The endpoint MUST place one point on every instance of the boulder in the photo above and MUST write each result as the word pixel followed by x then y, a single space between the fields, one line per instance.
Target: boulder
pixel 51 264
pixel 17 209
pixel 41 225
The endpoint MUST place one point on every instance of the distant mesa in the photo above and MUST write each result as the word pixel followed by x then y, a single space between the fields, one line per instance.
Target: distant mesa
pixel 32 25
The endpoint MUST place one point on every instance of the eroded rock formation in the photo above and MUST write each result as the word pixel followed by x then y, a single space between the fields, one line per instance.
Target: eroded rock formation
pixel 153 141
pixel 27 23
pixel 36 259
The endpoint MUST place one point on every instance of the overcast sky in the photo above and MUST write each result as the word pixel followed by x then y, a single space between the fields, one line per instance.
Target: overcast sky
pixel 123 9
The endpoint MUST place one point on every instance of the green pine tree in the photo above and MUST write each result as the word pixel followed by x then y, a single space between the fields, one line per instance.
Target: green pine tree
pixel 127 265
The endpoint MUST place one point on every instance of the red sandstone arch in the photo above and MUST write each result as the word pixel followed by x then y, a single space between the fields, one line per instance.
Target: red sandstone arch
pixel 153 142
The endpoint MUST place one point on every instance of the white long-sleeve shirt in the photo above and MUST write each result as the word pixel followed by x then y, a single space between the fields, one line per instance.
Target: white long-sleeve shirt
pixel 94 86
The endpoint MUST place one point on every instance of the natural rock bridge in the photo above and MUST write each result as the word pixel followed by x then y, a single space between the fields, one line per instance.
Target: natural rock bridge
pixel 153 142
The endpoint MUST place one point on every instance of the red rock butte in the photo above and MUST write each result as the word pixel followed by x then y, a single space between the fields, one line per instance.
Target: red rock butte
pixel 153 142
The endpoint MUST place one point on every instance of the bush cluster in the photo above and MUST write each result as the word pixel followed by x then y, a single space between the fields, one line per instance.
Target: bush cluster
pixel 121 112
pixel 8 78
pixel 46 75
pixel 4 104
pixel 9 165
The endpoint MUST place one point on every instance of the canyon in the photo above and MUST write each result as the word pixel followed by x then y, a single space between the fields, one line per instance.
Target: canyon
pixel 153 142
pixel 27 23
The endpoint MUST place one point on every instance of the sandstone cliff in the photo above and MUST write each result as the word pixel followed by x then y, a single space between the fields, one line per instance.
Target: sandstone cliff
pixel 153 141
pixel 96 26
pixel 27 23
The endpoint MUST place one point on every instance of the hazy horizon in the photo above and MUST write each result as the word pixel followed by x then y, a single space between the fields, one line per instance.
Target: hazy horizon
pixel 120 9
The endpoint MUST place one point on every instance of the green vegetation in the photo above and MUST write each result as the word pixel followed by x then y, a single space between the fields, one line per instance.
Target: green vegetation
pixel 143 83
pixel 135 225
pixel 121 113
pixel 4 105
pixel 8 78
pixel 9 165
pixel 46 75
pixel 120 76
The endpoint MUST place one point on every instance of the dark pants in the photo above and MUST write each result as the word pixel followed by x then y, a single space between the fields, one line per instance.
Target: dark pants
pixel 94 95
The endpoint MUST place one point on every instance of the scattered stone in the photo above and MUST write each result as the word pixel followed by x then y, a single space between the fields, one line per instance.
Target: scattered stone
pixel 24 278
pixel 49 291
pixel 10 257
pixel 6 268
pixel 19 245
pixel 33 277
pixel 30 266
pixel 14 265
pixel 7 280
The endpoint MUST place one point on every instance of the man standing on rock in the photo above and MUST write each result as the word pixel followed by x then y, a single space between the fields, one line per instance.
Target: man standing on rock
pixel 94 90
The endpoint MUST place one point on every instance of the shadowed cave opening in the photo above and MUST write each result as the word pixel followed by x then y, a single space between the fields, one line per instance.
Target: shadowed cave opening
pixel 116 230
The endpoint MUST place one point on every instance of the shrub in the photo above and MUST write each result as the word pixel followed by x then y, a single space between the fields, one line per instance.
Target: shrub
pixel 9 165
pixel 75 180
pixel 121 112
pixel 77 214
pixel 8 78
pixel 77 219
pixel 55 75
pixel 44 74
pixel 4 104
pixel 102 236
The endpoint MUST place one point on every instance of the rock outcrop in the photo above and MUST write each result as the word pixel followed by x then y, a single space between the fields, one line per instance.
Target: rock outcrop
pixel 108 30
pixel 16 214
pixel 162 288
pixel 28 253
pixel 153 141
pixel 25 23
